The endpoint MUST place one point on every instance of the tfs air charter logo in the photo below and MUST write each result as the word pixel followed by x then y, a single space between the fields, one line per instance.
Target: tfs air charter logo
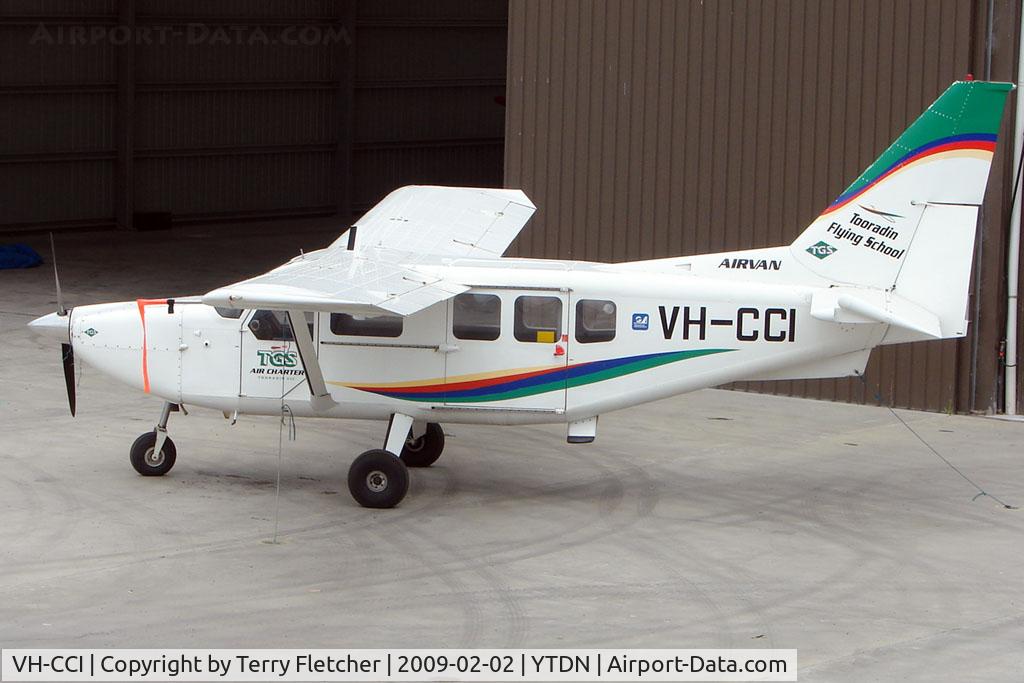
pixel 277 361
pixel 821 250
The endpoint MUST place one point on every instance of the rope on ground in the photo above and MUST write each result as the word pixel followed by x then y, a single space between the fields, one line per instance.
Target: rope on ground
pixel 981 492
pixel 287 421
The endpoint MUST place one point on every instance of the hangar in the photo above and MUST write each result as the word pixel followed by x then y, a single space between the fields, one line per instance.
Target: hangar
pixel 181 145
pixel 640 129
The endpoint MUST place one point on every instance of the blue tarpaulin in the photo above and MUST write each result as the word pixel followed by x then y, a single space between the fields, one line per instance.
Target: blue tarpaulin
pixel 18 256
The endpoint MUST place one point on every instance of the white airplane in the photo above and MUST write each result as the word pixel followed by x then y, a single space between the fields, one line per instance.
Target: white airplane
pixel 413 316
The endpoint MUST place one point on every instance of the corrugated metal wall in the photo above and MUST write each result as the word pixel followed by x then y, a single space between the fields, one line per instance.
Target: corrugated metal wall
pixel 427 78
pixel 647 128
pixel 228 125
pixel 58 103
pixel 241 108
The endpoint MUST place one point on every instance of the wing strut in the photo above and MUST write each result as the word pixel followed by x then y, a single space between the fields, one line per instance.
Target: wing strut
pixel 320 397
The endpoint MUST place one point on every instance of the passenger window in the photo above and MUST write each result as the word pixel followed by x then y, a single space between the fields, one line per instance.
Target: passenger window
pixel 595 321
pixel 476 316
pixel 538 319
pixel 274 325
pixel 367 325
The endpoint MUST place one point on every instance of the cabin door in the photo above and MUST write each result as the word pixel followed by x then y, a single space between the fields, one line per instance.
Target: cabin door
pixel 507 350
pixel 367 356
pixel 270 363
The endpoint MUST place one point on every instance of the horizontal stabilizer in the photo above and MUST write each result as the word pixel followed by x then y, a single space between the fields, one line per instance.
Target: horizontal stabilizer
pixel 841 306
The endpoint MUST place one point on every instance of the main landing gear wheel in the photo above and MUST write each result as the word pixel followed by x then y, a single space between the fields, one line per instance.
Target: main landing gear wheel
pixel 147 462
pixel 425 450
pixel 378 479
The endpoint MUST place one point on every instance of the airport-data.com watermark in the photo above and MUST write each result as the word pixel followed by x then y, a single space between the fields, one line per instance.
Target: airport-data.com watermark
pixel 625 665
pixel 298 35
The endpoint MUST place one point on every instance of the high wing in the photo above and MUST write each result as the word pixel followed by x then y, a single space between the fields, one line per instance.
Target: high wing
pixel 444 221
pixel 412 226
pixel 339 280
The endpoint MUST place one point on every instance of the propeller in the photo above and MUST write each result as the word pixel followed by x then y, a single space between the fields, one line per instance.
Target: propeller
pixel 68 359
pixel 56 279
pixel 67 352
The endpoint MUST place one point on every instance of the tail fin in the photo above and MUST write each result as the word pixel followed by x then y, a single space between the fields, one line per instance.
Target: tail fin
pixel 910 204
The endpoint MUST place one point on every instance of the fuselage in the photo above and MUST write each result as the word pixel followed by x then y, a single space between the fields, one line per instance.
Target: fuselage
pixel 531 342
pixel 415 317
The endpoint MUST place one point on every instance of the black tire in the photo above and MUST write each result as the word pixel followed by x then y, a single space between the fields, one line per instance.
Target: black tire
pixel 143 460
pixel 377 479
pixel 424 451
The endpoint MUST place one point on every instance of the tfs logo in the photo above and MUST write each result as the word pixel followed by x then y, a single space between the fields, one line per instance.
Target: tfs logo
pixel 278 359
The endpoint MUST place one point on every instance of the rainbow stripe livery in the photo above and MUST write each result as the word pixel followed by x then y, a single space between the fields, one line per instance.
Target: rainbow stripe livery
pixel 963 121
pixel 978 145
pixel 526 381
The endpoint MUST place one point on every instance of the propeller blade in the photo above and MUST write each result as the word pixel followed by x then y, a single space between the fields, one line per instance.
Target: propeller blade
pixel 68 358
pixel 56 279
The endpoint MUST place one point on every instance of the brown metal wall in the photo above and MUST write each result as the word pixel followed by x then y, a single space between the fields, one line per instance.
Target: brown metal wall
pixel 647 128
pixel 427 78
pixel 93 131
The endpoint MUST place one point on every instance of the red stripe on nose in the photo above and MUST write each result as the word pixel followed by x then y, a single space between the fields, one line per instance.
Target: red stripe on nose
pixel 142 303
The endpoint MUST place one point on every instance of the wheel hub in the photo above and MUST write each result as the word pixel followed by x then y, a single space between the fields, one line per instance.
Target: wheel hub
pixel 376 481
pixel 154 459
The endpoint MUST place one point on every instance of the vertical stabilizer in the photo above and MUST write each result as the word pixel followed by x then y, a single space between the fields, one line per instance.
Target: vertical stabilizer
pixel 866 236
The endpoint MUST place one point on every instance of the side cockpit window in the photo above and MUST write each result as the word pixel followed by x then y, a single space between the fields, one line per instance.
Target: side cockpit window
pixel 476 316
pixel 230 313
pixel 595 321
pixel 274 325
pixel 359 325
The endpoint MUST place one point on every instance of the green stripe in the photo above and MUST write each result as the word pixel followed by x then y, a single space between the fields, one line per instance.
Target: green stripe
pixel 561 383
pixel 637 366
pixel 965 107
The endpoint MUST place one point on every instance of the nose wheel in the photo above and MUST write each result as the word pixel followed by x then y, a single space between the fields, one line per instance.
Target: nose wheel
pixel 147 460
pixel 153 453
